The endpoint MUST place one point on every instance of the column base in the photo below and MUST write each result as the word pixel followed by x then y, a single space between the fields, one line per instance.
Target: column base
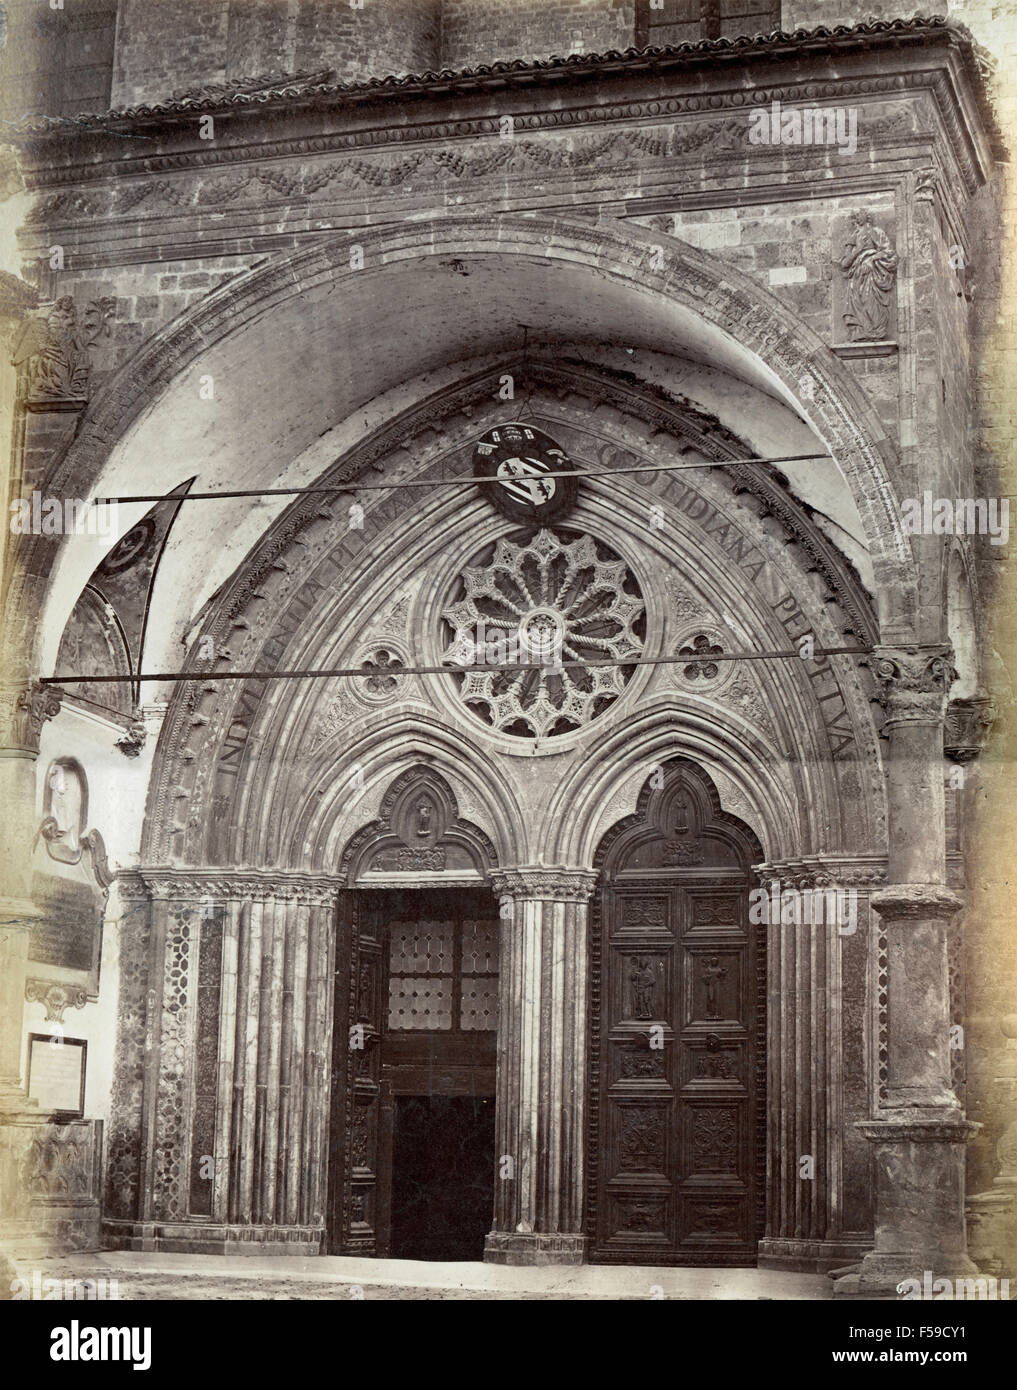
pixel 920 1235
pixel 896 1277
pixel 992 1228
pixel 811 1256
pixel 210 1238
pixel 534 1248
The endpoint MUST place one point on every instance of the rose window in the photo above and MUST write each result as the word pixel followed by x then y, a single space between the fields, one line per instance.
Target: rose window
pixel 552 600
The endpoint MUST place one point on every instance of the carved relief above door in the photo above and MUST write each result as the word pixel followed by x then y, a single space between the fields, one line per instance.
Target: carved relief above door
pixel 676 1142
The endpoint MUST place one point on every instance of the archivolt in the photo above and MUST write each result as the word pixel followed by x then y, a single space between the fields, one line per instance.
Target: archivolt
pixel 811 377
pixel 253 792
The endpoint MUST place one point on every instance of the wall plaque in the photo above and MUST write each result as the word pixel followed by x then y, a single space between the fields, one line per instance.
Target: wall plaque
pixel 56 1073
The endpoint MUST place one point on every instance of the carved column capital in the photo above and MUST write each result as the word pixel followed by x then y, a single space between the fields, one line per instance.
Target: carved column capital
pixel 24 708
pixel 914 681
pixel 198 885
pixel 967 727
pixel 536 882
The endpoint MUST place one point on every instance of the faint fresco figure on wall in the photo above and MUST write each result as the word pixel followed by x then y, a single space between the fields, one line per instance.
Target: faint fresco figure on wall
pixel 66 801
pixel 869 264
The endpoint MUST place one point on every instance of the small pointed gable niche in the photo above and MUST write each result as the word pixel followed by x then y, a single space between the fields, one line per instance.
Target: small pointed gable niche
pixel 678 824
pixel 419 836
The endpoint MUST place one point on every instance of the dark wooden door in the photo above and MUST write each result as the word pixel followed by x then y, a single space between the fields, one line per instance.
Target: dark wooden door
pixel 677 1065
pixel 416 994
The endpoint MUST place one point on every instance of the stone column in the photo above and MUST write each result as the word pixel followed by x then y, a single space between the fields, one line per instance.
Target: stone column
pixel 541 1082
pixel 918 1129
pixel 817 1085
pixel 24 708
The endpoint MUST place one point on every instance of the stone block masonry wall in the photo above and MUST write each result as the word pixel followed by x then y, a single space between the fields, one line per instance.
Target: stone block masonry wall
pixel 485 31
pixel 991 829
pixel 167 46
pixel 789 247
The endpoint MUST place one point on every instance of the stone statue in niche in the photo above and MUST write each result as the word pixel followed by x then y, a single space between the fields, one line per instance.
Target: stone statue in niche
pixel 425 812
pixel 869 264
pixel 644 988
pixel 53 354
pixel 713 974
pixel 681 815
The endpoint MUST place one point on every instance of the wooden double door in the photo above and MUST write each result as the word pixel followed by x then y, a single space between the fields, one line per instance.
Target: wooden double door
pixel 412 1166
pixel 677 1097
pixel 679 1103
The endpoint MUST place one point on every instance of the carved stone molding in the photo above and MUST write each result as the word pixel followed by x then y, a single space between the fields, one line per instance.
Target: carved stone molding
pixel 914 1131
pixel 24 708
pixel 535 882
pixel 916 902
pixel 967 728
pixel 56 997
pixel 192 885
pixel 913 682
pixel 826 870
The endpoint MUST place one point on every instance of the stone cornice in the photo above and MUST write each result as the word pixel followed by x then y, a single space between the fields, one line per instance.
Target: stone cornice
pixel 713 54
pixel 242 885
pixel 604 90
pixel 538 882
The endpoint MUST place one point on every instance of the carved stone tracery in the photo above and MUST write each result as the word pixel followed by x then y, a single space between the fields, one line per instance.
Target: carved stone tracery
pixel 554 600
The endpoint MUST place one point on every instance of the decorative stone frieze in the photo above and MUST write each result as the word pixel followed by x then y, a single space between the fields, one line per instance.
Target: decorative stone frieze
pixel 536 882
pixel 193 885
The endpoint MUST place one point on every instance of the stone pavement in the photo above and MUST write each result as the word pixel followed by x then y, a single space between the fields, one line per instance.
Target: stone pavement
pixel 164 1276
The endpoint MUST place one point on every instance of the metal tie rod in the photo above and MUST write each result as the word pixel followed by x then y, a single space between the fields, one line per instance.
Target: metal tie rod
pixel 692 659
pixel 450 482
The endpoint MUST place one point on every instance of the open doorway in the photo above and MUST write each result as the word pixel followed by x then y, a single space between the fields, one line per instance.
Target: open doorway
pixel 443 1166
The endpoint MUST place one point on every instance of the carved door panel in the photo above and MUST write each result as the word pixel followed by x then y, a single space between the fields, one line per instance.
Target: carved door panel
pixel 383 1195
pixel 678 1109
pixel 357 1147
